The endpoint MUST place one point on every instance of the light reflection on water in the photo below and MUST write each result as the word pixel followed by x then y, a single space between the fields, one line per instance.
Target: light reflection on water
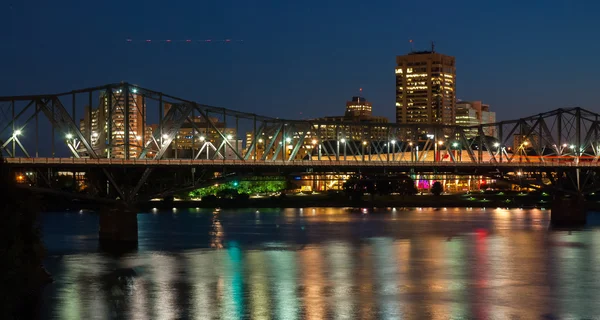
pixel 326 263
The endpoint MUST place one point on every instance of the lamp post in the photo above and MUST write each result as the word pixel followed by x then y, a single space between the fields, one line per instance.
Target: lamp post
pixel 314 143
pixel 455 151
pixel 14 140
pixel 363 150
pixel 497 146
pixel 286 141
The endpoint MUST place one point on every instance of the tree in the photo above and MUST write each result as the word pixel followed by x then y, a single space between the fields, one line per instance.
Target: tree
pixel 240 187
pixel 66 183
pixel 407 187
pixel 437 188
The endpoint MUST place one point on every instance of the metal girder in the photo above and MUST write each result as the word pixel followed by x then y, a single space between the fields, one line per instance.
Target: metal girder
pixel 61 119
pixel 204 114
pixel 298 145
pixel 174 119
pixel 271 142
pixel 253 145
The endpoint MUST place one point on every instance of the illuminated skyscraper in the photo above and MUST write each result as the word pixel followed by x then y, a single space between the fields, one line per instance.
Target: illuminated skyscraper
pixel 425 88
pixel 108 128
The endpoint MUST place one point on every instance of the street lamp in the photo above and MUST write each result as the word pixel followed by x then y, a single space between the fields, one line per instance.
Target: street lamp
pixel 202 138
pixel 260 140
pixel 496 145
pixel 69 136
pixel 17 132
pixel 229 137
pixel 343 140
pixel 165 136
pixel 138 138
pixel 288 139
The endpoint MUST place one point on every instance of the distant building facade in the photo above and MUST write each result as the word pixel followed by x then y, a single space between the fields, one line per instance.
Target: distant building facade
pixel 473 113
pixel 357 124
pixel 358 111
pixel 201 139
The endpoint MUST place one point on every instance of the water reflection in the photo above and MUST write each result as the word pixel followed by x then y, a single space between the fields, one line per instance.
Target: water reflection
pixel 327 264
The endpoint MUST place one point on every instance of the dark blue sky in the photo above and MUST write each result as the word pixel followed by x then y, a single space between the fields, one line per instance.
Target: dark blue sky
pixel 522 57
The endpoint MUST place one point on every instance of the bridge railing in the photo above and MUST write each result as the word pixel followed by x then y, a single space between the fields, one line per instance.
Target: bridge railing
pixel 333 163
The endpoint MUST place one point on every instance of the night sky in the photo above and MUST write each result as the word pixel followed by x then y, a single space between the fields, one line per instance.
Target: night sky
pixel 521 57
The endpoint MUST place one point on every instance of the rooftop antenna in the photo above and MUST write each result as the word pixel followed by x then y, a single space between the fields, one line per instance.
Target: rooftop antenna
pixel 359 94
pixel 412 45
pixel 432 47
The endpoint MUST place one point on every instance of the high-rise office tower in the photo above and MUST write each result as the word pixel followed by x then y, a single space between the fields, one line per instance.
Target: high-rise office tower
pixel 108 128
pixel 425 88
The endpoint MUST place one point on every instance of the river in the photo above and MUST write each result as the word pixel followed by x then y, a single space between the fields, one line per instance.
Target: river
pixel 325 263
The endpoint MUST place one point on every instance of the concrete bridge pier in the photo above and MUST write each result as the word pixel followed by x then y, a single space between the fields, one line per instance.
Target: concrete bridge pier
pixel 568 211
pixel 118 229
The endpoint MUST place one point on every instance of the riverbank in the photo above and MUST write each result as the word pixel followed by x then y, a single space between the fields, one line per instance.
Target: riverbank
pixel 337 200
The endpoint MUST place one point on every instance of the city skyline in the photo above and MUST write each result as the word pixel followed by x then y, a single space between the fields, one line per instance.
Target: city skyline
pixel 313 59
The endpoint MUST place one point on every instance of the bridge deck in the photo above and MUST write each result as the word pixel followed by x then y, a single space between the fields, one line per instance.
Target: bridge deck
pixel 103 162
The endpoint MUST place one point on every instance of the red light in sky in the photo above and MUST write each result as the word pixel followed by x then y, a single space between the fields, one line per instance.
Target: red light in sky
pixel 130 40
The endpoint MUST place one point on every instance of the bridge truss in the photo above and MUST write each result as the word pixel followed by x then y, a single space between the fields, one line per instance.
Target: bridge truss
pixel 131 126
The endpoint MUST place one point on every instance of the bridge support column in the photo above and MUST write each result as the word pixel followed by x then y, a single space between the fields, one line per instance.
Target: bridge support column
pixel 568 211
pixel 118 229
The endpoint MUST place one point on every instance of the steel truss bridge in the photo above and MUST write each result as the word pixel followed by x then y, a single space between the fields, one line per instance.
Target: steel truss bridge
pixel 150 143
